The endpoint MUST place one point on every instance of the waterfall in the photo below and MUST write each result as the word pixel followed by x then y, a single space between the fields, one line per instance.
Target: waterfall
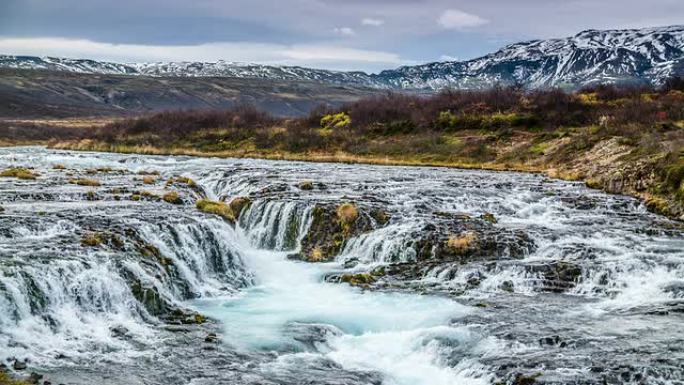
pixel 93 276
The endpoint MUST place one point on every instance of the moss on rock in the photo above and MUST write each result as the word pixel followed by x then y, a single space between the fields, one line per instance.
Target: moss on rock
pixel 361 279
pixel 172 197
pixel 306 185
pixel 239 204
pixel 216 208
pixel 19 173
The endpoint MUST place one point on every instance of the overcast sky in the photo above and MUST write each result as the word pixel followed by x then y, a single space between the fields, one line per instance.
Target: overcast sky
pixel 365 35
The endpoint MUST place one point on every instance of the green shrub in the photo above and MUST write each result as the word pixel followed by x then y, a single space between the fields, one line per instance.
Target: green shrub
pixel 339 120
pixel 674 175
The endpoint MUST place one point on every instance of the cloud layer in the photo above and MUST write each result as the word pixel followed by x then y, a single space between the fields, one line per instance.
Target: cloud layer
pixel 325 56
pixel 350 34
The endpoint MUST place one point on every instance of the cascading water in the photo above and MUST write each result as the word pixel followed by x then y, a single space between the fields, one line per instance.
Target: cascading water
pixel 573 285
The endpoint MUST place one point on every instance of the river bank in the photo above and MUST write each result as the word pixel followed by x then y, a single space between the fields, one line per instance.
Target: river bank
pixel 645 165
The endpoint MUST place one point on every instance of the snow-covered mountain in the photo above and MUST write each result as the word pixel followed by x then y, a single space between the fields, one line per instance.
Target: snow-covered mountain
pixel 612 56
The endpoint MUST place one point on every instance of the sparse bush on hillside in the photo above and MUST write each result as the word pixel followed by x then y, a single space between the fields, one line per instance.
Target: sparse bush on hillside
pixel 339 120
pixel 366 127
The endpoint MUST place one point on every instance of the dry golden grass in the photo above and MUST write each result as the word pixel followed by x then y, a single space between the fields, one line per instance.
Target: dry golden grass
pixel 149 179
pixel 347 213
pixel 19 173
pixel 461 243
pixel 316 255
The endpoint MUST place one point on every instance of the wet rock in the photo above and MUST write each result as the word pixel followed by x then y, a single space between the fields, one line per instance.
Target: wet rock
pixel 119 331
pixel 521 379
pixel 212 338
pixel 313 336
pixel 306 185
pixel 331 227
pixel 19 365
pixel 558 276
pixel 150 298
pixel 489 218
pixel 185 317
pixel 350 263
pixel 239 204
pixel 34 378
pixel 465 240
pixel 507 286
pixel 361 279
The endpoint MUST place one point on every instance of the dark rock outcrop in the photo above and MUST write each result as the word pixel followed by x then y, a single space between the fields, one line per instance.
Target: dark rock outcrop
pixel 332 226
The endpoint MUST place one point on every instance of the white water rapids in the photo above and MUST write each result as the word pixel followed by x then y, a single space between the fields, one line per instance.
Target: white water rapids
pixel 581 288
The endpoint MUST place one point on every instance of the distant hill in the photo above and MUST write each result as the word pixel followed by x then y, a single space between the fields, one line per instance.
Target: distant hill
pixel 35 94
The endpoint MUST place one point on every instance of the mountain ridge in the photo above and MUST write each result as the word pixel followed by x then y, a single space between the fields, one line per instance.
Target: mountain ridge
pixel 635 56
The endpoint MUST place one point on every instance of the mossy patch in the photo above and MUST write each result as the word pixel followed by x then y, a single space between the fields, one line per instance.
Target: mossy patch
pixel 172 197
pixel 92 196
pixel 489 217
pixel 19 173
pixel 98 238
pixel 184 180
pixel 459 244
pixel 216 208
pixel 237 205
pixel 6 379
pixel 347 214
pixel 317 255
pixel 146 172
pixel 93 239
pixel 361 279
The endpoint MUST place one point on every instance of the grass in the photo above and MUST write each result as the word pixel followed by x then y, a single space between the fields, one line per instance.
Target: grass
pixel 589 135
pixel 221 209
pixel 347 213
pixel 19 173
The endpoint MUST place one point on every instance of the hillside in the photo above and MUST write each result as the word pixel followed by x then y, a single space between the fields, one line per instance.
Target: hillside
pixel 625 141
pixel 37 94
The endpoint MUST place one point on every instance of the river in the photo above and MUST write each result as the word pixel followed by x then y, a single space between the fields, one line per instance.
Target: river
pixel 575 287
